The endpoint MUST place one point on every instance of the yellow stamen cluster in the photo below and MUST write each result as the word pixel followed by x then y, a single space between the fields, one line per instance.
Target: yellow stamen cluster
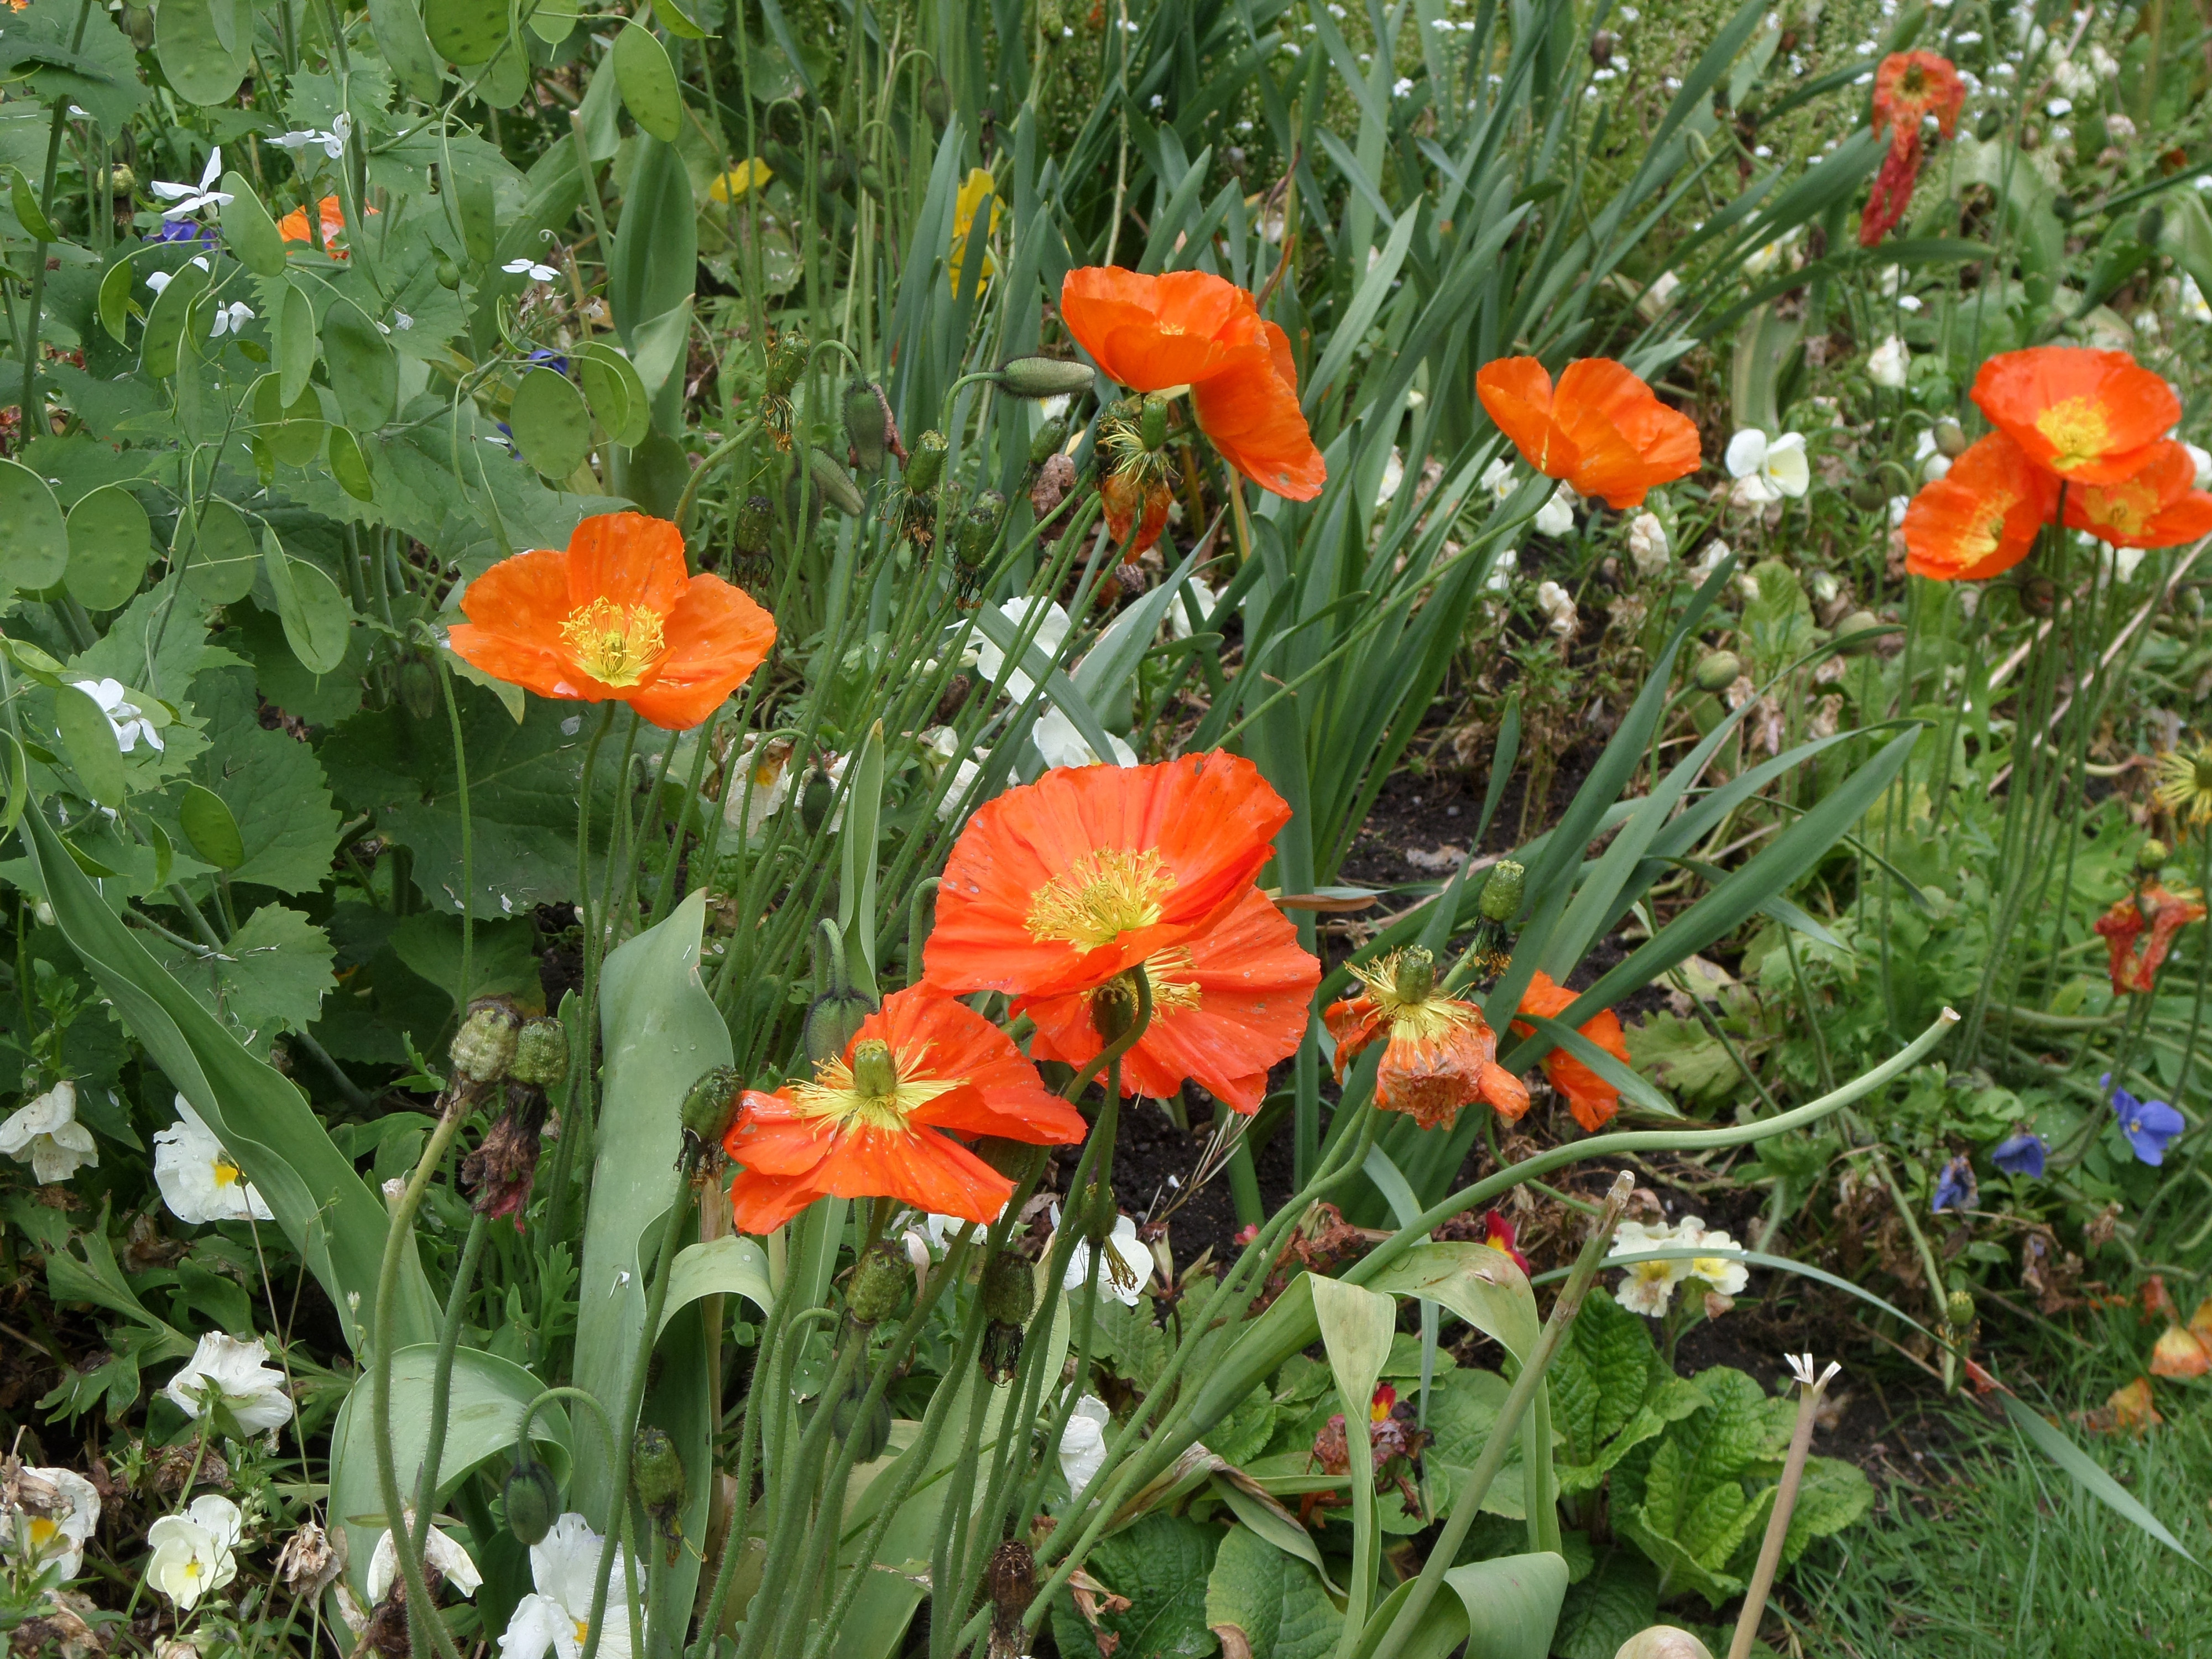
pixel 877 1090
pixel 1101 895
pixel 2077 432
pixel 615 644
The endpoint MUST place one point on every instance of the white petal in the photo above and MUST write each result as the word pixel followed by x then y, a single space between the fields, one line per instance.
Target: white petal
pixel 1747 452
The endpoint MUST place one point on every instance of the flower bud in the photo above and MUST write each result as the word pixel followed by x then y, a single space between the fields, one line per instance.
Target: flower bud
pixel 787 361
pixel 533 1499
pixel 1113 1007
pixel 834 484
pixel 832 1022
pixel 418 688
pixel 1663 1641
pixel 1950 438
pixel 867 424
pixel 1097 1214
pixel 483 1048
pixel 978 530
pixel 540 1054
pixel 656 1472
pixel 755 521
pixel 1049 439
pixel 1716 671
pixel 1959 1309
pixel 2039 596
pixel 1152 422
pixel 2151 856
pixel 1501 894
pixel 1044 377
pixel 1855 633
pixel 122 179
pixel 711 1103
pixel 869 1431
pixel 1823 587
pixel 880 1279
pixel 1009 1291
pixel 937 100
pixel 927 464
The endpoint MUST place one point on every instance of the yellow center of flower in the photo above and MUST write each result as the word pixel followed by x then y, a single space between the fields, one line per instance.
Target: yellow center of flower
pixel 583 1630
pixel 2125 507
pixel 876 1089
pixel 226 1172
pixel 2076 431
pixel 1651 1273
pixel 1416 1011
pixel 1101 895
pixel 43 1532
pixel 615 644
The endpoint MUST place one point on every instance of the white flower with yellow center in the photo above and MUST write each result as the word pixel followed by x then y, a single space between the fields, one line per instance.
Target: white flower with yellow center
pixel 235 1377
pixel 439 1551
pixel 1768 469
pixel 49 1522
pixel 46 1134
pixel 1498 481
pixel 1647 1286
pixel 564 1565
pixel 194 1551
pixel 199 1180
pixel 1724 1274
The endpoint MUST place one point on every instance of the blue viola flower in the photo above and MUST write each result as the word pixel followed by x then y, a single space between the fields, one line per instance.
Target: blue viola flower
pixel 552 360
pixel 2149 1125
pixel 2021 1153
pixel 1956 1188
pixel 183 230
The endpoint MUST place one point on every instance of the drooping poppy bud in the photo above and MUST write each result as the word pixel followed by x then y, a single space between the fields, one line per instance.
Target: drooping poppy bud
pixel 835 484
pixel 708 1107
pixel 1716 671
pixel 869 427
pixel 1049 439
pixel 532 1500
pixel 927 464
pixel 1045 376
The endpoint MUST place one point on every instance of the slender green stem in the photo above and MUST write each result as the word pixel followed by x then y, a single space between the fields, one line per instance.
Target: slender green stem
pixel 441 1376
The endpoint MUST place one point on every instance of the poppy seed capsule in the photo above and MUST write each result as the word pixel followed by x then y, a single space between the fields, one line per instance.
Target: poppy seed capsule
pixel 879 1278
pixel 1854 634
pixel 1152 422
pixel 756 521
pixel 1049 439
pixel 927 464
pixel 979 528
pixel 1716 671
pixel 1950 438
pixel 1501 894
pixel 540 1054
pixel 2151 855
pixel 1044 377
pixel 483 1048
pixel 1959 1308
pixel 712 1102
pixel 532 1500
pixel 787 361
pixel 1416 976
pixel 1008 1289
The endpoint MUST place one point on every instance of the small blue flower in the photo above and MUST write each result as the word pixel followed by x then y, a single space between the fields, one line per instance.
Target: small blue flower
pixel 2149 1125
pixel 1955 1188
pixel 552 360
pixel 183 230
pixel 2021 1153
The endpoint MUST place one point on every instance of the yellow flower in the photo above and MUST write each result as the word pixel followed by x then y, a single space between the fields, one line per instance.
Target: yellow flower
pixel 973 189
pixel 751 174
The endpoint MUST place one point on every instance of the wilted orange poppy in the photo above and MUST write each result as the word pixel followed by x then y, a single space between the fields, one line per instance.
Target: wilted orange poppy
pixel 616 618
pixel 2132 1407
pixel 2178 1353
pixel 1227 1004
pixel 293 227
pixel 1188 329
pixel 1911 86
pixel 1891 191
pixel 2166 914
pixel 2156 506
pixel 879 1120
pixel 1600 429
pixel 1980 519
pixel 1126 496
pixel 1589 1097
pixel 2091 416
pixel 1439 1054
pixel 1060 885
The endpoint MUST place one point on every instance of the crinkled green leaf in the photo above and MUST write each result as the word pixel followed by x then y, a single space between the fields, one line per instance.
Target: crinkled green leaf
pixel 1831 1495
pixel 1601 1611
pixel 1162 1564
pixel 273 972
pixel 272 784
pixel 1274 1599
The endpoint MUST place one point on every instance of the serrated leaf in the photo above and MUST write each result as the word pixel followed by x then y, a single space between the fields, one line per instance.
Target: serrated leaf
pixel 502 956
pixel 33 535
pixel 277 973
pixel 1162 1563
pixel 75 59
pixel 1683 1057
pixel 1463 1416
pixel 1831 1495
pixel 272 784
pixel 1275 1601
pixel 111 541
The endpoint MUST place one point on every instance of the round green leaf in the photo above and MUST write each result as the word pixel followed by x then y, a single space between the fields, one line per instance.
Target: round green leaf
pixel 115 300
pixel 189 40
pixel 400 37
pixel 248 229
pixel 647 81
pixel 110 545
pixel 33 537
pixel 349 466
pixel 315 615
pixel 293 432
pixel 551 425
pixel 466 31
pixel 678 20
pixel 89 742
pixel 297 345
pixel 504 81
pixel 552 26
pixel 364 371
pixel 219 558
pixel 165 322
pixel 208 824
pixel 617 397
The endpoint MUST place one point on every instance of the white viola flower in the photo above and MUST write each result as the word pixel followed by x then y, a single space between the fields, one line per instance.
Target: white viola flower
pixel 1889 283
pixel 1557 515
pixel 1394 474
pixel 1060 743
pixel 1083 1443
pixel 194 1551
pixel 1931 461
pixel 1179 623
pixel 1897 507
pixel 758 782
pixel 1662 290
pixel 235 1377
pixel 2201 459
pixel 532 269
pixel 46 1134
pixel 1052 633
pixel 49 1523
pixel 185 200
pixel 556 1618
pixel 1648 549
pixel 1503 570
pixel 1498 481
pixel 199 1180
pixel 439 1551
pixel 231 319
pixel 125 718
pixel 1715 551
pixel 2193 305
pixel 1889 363
pixel 1724 1274
pixel 1125 1271
pixel 1768 469
pixel 1762 260
pixel 1557 606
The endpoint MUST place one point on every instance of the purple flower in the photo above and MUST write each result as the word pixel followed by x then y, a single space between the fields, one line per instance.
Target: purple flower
pixel 1955 1188
pixel 552 360
pixel 2149 1125
pixel 2021 1153
pixel 183 230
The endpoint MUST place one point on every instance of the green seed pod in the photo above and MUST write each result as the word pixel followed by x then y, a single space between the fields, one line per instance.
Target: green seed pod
pixel 532 1500
pixel 787 361
pixel 927 464
pixel 755 522
pixel 872 180
pixel 1959 1308
pixel 449 274
pixel 1716 671
pixel 834 484
pixel 1113 1007
pixel 711 1103
pixel 1049 439
pixel 870 1432
pixel 540 1054
pixel 483 1048
pixel 866 424
pixel 1855 633
pixel 978 529
pixel 1044 377
pixel 832 1022
pixel 1152 422
pixel 418 688
pixel 1501 894
pixel 656 1472
pixel 1008 1290
pixel 1950 438
pixel 937 100
pixel 881 1279
pixel 1097 1212
pixel 1991 124
pixel 2151 856
pixel 1415 976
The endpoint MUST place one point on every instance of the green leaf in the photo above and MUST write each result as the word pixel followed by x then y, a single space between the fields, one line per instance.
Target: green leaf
pixel 111 541
pixel 1599 1612
pixel 1831 1496
pixel 364 372
pixel 1273 1601
pixel 317 621
pixel 729 1266
pixel 209 829
pixel 273 972
pixel 551 424
pixel 1682 1055
pixel 1605 1368
pixel 503 962
pixel 349 466
pixel 405 48
pixel 1163 1564
pixel 89 742
pixel 188 42
pixel 33 535
pixel 1482 1286
pixel 248 229
pixel 23 197
pixel 465 32
pixel 297 345
pixel 1512 1604
pixel 75 57
pixel 647 82
pixel 1356 1326
pixel 2087 1474
pixel 1463 1416
pixel 115 307
pixel 273 785
pixel 619 399
pixel 293 432
pixel 215 554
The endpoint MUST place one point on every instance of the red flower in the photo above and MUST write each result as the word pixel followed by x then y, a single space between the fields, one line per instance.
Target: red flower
pixel 1227 1005
pixel 1498 1233
pixel 1589 1097
pixel 1601 429
pixel 1911 86
pixel 879 1121
pixel 2091 416
pixel 1439 1054
pixel 2167 914
pixel 1892 191
pixel 1980 519
pixel 2158 505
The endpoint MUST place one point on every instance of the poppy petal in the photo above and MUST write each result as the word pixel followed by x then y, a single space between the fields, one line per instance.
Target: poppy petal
pixel 628 559
pixel 1251 414
pixel 1517 394
pixel 2088 415
pixel 715 635
pixel 1150 333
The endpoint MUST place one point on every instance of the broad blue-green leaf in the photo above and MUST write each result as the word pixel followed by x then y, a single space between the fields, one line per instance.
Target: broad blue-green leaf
pixel 89 743
pixel 248 229
pixel 552 426
pixel 1512 1604
pixel 647 82
pixel 467 31
pixel 33 535
pixel 315 615
pixel 364 373
pixel 297 344
pixel 204 56
pixel 294 432
pixel 111 541
pixel 216 552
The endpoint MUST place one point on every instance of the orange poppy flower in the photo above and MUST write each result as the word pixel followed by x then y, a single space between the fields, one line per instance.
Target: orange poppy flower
pixel 1599 429
pixel 293 227
pixel 1911 86
pixel 2091 416
pixel 1060 885
pixel 2167 914
pixel 1980 519
pixel 615 617
pixel 2157 506
pixel 1589 1097
pixel 1188 329
pixel 1226 1006
pixel 879 1120
pixel 1439 1053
